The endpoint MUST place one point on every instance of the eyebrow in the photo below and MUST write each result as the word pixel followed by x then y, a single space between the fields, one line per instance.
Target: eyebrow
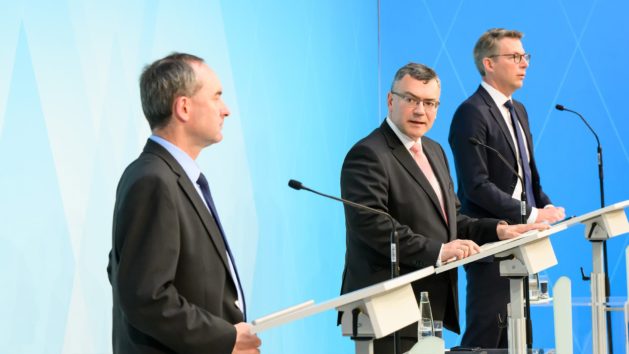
pixel 419 98
pixel 410 94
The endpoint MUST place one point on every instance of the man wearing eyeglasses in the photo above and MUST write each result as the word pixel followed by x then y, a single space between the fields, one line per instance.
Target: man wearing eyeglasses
pixel 397 169
pixel 486 188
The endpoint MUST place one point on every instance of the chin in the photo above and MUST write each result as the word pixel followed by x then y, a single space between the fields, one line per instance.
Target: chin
pixel 215 140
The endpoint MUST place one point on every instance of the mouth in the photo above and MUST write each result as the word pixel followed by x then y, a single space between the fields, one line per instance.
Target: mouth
pixel 417 123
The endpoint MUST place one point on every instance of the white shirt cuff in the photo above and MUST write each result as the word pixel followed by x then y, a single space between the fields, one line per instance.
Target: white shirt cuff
pixel 531 219
pixel 439 257
pixel 533 216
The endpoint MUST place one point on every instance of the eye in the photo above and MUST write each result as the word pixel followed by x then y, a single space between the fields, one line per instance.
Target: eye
pixel 429 104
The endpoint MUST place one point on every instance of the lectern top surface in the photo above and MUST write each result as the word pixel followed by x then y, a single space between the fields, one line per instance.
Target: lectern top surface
pixel 309 308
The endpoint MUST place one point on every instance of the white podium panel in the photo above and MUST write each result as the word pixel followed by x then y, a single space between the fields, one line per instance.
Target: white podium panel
pixel 389 294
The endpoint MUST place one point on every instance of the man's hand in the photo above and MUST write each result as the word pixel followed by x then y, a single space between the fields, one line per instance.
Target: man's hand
pixel 506 232
pixel 458 249
pixel 246 342
pixel 550 214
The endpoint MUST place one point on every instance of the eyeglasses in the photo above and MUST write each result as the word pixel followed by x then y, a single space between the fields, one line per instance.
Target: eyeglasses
pixel 429 105
pixel 517 58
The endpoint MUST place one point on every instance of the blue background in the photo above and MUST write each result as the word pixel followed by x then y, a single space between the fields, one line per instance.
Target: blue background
pixel 304 81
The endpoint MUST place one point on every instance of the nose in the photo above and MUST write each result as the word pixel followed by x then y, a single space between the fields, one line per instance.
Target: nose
pixel 225 110
pixel 524 64
pixel 419 109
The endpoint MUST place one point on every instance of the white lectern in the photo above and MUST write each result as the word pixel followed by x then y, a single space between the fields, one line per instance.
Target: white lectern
pixel 383 308
pixel 601 225
pixel 370 313
pixel 527 254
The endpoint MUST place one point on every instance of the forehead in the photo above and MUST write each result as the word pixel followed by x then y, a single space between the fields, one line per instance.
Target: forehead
pixel 419 88
pixel 510 45
pixel 206 77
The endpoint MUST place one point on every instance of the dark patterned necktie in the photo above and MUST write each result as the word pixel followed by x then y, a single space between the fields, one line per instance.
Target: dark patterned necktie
pixel 207 195
pixel 526 167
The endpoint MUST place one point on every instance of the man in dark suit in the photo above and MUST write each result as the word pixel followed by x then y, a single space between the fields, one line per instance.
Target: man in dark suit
pixel 398 170
pixel 486 187
pixel 174 280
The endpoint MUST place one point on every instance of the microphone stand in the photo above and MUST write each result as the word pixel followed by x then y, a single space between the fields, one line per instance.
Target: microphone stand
pixel 601 186
pixel 393 239
pixel 527 295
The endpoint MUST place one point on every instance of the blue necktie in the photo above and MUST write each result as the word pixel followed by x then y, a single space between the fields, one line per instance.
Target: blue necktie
pixel 207 195
pixel 526 168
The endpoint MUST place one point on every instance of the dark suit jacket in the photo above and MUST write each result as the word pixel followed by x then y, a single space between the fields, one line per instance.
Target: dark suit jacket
pixel 379 172
pixel 172 289
pixel 485 185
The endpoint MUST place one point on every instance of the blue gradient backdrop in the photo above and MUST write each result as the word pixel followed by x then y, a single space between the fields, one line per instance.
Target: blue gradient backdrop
pixel 304 81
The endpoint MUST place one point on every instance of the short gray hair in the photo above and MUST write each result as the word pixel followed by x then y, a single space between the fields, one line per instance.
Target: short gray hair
pixel 164 80
pixel 417 71
pixel 487 45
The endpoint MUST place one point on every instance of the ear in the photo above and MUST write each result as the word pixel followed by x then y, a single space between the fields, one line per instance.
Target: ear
pixel 181 108
pixel 488 64
pixel 389 100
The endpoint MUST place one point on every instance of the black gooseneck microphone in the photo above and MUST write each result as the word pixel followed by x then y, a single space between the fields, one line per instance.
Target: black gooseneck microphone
pixel 477 142
pixel 527 296
pixel 599 153
pixel 395 270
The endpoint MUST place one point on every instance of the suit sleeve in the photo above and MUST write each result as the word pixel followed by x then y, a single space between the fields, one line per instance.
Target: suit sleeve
pixel 471 165
pixel 147 242
pixel 480 231
pixel 365 180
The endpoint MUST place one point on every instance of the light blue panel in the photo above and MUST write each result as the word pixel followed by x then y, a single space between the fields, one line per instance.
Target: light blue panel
pixel 301 83
pixel 306 78
pixel 10 20
pixel 578 50
pixel 37 261
pixel 225 164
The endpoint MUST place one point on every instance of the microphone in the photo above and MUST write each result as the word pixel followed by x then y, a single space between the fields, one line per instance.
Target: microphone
pixel 599 151
pixel 601 186
pixel 295 184
pixel 395 270
pixel 477 142
pixel 393 239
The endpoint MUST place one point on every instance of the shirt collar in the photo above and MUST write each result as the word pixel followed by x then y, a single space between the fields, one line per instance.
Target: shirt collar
pixel 405 139
pixel 498 97
pixel 187 163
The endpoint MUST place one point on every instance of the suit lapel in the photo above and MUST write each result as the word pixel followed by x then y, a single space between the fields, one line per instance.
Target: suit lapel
pixel 206 217
pixel 408 163
pixel 497 116
pixel 443 177
pixel 195 199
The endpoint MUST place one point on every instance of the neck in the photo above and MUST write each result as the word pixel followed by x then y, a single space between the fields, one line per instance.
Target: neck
pixel 179 141
pixel 505 91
